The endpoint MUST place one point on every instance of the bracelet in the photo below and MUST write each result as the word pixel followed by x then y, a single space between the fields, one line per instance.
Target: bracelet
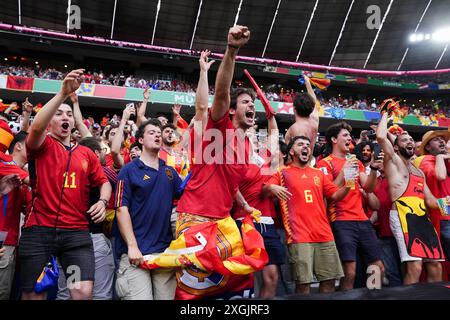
pixel 233 46
pixel 105 202
pixel 376 169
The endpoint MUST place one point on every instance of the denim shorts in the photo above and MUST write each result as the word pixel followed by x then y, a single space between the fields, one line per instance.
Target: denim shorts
pixel 72 247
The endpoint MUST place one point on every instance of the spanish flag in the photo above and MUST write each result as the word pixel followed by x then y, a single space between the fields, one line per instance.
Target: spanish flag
pixel 215 246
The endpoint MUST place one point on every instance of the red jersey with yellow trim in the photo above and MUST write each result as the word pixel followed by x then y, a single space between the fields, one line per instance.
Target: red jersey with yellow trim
pixel 351 207
pixel 439 189
pixel 175 160
pixel 304 215
pixel 62 179
pixel 13 203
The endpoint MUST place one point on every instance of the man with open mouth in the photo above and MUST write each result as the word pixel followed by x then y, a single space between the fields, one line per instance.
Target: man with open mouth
pixel 417 240
pixel 435 164
pixel 351 227
pixel 301 190
pixel 61 175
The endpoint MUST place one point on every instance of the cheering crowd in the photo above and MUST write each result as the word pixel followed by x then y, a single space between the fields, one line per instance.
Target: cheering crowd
pixel 273 92
pixel 141 209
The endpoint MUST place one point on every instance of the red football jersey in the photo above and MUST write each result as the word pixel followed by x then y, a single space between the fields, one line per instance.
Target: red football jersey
pixel 62 180
pixel 439 189
pixel 13 204
pixel 351 207
pixel 251 187
pixel 304 215
pixel 382 193
pixel 216 172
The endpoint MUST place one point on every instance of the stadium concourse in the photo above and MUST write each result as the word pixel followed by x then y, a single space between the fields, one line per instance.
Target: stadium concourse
pixel 173 150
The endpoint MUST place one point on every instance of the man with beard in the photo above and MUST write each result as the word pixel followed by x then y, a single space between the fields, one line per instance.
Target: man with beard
pixel 364 152
pixel 250 196
pixel 409 222
pixel 168 153
pixel 174 159
pixel 301 190
pixel 435 164
pixel 218 168
pixel 61 176
pixel 351 227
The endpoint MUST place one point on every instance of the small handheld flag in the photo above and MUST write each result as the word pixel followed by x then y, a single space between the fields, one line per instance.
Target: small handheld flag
pixel 265 102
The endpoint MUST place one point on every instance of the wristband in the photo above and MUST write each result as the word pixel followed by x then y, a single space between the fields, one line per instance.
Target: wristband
pixel 105 202
pixel 376 169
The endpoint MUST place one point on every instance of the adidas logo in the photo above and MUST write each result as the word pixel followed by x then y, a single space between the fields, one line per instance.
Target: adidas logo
pixel 304 176
pixel 146 177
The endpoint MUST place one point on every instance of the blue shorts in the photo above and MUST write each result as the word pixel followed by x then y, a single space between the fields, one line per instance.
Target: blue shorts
pixel 353 235
pixel 272 242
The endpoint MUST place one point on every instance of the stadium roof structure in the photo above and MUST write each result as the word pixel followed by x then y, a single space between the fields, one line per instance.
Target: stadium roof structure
pixel 365 34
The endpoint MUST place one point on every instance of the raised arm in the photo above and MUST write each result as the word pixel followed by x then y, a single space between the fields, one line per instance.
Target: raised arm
pixel 441 170
pixel 116 144
pixel 315 114
pixel 27 109
pixel 382 138
pixel 309 88
pixel 430 199
pixel 201 95
pixel 175 114
pixel 142 108
pixel 79 124
pixel 11 106
pixel 40 123
pixel 237 37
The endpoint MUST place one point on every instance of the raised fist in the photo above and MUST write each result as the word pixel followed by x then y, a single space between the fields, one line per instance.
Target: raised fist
pixel 238 36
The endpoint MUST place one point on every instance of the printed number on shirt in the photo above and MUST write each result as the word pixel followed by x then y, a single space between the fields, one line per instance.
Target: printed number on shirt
pixel 308 196
pixel 69 181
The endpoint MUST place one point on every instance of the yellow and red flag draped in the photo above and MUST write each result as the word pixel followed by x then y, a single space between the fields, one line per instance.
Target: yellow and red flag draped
pixel 215 246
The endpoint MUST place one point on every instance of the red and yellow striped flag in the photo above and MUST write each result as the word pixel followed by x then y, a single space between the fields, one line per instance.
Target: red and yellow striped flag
pixel 215 246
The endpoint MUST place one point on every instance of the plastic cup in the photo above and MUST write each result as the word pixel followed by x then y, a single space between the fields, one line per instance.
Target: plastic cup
pixel 349 176
pixel 444 206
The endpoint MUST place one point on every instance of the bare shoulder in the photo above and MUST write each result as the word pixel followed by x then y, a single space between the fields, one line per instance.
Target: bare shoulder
pixel 303 127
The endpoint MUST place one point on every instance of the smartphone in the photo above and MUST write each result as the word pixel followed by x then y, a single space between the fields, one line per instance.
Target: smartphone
pixel 371 134
pixel 131 104
pixel 376 151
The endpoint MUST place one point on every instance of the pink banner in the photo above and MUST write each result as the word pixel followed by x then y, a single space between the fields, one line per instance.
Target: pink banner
pixel 111 92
